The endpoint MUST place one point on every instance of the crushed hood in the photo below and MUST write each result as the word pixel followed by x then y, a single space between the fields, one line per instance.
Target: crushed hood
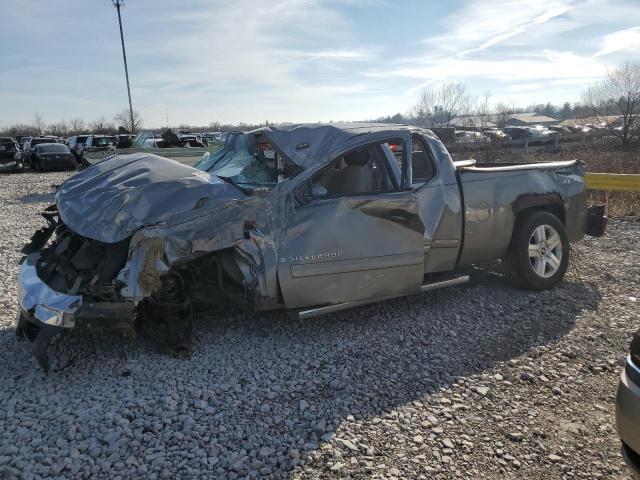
pixel 109 201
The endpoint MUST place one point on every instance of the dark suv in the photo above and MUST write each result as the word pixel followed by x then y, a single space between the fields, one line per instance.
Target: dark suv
pixel 10 155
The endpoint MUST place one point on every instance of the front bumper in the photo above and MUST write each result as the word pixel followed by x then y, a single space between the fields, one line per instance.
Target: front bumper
pixel 628 414
pixel 48 306
pixel 44 313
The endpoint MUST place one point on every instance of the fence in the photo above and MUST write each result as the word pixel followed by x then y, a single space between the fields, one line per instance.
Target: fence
pixel 614 182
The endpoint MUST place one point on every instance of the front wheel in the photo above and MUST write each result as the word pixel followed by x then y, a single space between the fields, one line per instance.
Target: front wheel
pixel 539 252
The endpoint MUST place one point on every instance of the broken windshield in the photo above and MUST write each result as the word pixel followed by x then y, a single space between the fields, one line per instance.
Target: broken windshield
pixel 244 162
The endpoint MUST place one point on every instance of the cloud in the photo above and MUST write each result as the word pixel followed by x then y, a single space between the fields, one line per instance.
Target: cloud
pixel 301 60
pixel 548 65
pixel 481 25
pixel 622 40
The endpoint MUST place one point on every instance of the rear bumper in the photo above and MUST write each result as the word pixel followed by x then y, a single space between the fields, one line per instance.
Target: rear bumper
pixel 628 414
pixel 57 164
pixel 9 166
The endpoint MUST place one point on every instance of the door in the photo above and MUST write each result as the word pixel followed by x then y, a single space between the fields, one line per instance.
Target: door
pixel 352 234
pixel 439 201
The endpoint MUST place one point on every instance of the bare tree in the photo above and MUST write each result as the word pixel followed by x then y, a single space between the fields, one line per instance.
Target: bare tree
pixel 19 129
pixel 437 106
pixel 60 129
pixel 483 119
pixel 615 101
pixel 123 119
pixel 102 126
pixel 504 112
pixel 76 125
pixel 479 116
pixel 38 123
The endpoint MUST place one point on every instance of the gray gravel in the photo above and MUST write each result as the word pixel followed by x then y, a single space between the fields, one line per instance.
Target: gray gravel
pixel 478 381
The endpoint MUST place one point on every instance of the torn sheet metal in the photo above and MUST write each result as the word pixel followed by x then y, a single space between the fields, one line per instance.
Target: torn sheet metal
pixel 51 307
pixel 155 249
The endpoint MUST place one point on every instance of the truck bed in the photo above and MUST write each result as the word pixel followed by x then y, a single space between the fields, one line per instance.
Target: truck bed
pixel 494 193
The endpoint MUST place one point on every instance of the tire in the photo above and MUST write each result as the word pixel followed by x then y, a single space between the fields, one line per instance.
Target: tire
pixel 37 166
pixel 539 252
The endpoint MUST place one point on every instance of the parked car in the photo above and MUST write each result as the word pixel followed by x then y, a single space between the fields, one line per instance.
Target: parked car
pixel 125 140
pixel 76 145
pixel 98 143
pixel 542 135
pixel 516 133
pixel 30 145
pixel 560 129
pixel 581 129
pixel 21 139
pixel 470 137
pixel 497 135
pixel 52 156
pixel 628 407
pixel 311 218
pixel 533 135
pixel 213 136
pixel 10 155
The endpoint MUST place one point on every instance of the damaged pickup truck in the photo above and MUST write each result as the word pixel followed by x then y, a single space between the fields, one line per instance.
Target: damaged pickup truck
pixel 309 218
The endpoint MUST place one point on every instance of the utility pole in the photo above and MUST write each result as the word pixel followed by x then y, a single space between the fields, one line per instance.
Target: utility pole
pixel 118 4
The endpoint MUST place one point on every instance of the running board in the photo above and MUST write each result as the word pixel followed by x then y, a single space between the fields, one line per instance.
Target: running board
pixel 427 287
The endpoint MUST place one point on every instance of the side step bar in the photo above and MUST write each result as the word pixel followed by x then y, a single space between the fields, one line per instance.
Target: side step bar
pixel 427 287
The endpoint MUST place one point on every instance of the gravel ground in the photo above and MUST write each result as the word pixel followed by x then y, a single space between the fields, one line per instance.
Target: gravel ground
pixel 477 381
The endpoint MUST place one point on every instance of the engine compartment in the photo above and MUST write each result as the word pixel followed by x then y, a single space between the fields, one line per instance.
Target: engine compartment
pixel 74 265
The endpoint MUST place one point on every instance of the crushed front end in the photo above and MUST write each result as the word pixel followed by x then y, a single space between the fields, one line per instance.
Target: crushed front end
pixel 67 281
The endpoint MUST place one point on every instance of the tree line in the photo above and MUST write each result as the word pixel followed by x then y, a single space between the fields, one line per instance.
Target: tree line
pixel 121 123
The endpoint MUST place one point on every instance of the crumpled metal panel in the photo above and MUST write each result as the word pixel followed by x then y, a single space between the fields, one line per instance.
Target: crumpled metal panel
pixel 310 145
pixel 154 249
pixel 111 200
pixel 51 307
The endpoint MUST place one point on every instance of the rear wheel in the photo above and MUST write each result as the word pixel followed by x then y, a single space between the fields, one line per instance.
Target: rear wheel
pixel 539 253
pixel 37 166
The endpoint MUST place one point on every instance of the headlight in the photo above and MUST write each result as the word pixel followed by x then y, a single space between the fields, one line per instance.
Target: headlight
pixel 635 349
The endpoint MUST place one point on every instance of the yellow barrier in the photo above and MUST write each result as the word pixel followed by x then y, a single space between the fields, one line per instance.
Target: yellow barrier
pixel 616 182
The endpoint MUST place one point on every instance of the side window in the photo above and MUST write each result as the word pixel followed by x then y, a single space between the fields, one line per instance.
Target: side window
pixel 422 165
pixel 361 171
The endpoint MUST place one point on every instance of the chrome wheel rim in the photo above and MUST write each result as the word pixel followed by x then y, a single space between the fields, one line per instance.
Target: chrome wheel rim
pixel 545 251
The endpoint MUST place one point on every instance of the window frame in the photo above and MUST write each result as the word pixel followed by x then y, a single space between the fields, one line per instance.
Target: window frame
pixel 396 184
pixel 432 157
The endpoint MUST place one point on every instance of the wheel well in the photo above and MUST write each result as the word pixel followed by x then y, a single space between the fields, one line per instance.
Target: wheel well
pixel 554 208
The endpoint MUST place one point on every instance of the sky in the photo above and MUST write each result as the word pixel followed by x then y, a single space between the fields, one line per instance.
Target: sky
pixel 201 61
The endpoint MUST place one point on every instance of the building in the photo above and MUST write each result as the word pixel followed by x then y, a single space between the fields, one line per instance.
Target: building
pixel 473 121
pixel 531 118
pixel 613 120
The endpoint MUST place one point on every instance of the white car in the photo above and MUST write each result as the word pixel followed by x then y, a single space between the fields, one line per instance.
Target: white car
pixel 465 137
